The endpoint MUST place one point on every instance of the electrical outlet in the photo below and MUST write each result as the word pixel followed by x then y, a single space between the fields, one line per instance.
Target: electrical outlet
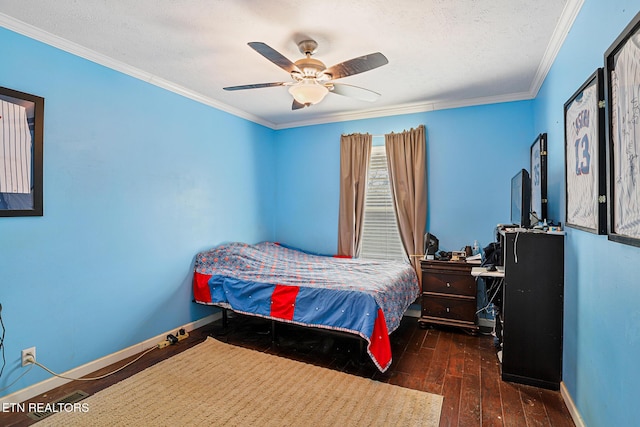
pixel 26 360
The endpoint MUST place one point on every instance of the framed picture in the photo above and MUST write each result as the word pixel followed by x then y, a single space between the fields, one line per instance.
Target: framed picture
pixel 585 157
pixel 21 134
pixel 622 69
pixel 538 170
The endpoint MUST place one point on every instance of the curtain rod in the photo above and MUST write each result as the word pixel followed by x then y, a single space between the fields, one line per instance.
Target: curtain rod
pixel 382 135
pixel 373 136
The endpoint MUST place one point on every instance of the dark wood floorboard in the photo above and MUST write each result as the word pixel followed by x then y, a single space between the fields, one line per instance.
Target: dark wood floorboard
pixel 462 368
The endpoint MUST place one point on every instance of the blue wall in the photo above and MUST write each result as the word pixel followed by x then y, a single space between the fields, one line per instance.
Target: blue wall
pixel 137 180
pixel 602 285
pixel 472 153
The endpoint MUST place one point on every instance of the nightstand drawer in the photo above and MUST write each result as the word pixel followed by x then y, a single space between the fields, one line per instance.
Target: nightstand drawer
pixel 449 282
pixel 449 308
pixel 448 294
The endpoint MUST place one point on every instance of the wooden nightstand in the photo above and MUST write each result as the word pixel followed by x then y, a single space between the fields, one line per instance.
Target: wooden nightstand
pixel 448 294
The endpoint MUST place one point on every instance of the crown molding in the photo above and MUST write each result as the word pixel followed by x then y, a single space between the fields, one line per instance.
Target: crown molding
pixel 567 18
pixel 40 35
pixel 561 31
pixel 408 109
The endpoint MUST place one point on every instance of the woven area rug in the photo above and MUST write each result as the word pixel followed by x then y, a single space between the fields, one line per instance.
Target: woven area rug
pixel 218 384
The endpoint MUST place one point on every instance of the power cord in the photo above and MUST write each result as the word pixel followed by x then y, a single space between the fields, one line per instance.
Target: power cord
pixel 33 363
pixel 171 340
pixel 497 289
pixel 92 378
pixel 17 379
pixel 4 361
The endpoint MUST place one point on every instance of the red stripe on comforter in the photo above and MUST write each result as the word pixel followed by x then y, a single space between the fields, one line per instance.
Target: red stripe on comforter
pixel 283 301
pixel 379 344
pixel 201 292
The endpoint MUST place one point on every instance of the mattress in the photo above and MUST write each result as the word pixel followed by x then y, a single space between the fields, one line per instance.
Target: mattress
pixel 363 297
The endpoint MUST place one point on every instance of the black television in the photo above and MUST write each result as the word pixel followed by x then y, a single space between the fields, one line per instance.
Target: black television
pixel 521 199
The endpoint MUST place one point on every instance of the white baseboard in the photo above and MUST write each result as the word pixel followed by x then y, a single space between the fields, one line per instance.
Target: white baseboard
pixel 53 382
pixel 573 410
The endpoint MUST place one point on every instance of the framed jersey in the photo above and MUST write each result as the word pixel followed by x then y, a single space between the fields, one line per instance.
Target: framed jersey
pixel 622 69
pixel 21 135
pixel 585 157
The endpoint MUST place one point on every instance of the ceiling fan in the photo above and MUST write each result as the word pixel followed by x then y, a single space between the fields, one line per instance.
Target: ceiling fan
pixel 312 80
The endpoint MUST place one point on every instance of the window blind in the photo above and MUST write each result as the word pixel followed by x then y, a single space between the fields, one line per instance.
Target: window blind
pixel 380 234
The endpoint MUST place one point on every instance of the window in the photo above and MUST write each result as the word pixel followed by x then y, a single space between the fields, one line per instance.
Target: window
pixel 380 235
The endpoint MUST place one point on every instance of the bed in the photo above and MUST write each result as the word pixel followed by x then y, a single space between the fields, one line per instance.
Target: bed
pixel 362 297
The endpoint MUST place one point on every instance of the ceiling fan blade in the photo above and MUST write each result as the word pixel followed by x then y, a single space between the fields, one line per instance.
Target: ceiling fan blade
pixel 274 56
pixel 298 105
pixel 254 86
pixel 357 65
pixel 355 92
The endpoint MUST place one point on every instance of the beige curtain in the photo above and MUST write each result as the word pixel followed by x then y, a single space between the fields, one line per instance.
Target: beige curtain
pixel 406 157
pixel 355 151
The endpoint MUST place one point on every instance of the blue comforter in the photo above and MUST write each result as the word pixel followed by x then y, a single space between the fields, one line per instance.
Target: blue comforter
pixel 364 297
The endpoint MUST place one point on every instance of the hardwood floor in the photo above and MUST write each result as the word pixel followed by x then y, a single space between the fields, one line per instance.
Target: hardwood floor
pixel 462 368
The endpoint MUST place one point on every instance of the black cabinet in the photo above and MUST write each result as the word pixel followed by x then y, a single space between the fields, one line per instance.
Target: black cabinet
pixel 532 308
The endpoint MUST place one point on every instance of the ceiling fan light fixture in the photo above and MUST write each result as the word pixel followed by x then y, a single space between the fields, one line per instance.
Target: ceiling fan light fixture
pixel 311 79
pixel 308 91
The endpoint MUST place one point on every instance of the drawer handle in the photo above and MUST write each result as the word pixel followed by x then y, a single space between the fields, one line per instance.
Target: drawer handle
pixel 448 285
pixel 447 309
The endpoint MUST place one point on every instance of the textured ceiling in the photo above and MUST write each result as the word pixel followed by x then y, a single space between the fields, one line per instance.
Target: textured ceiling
pixel 442 53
